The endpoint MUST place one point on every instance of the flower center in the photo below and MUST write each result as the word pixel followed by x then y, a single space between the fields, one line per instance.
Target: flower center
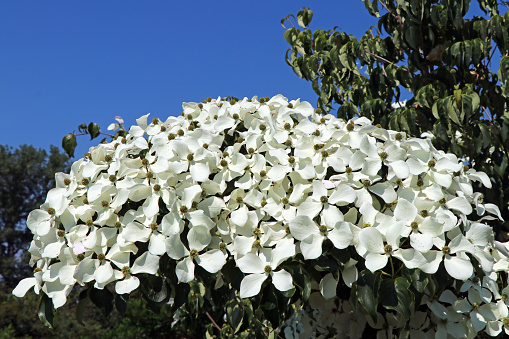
pixel 446 250
pixel 388 249
pixel 126 271
pixel 193 253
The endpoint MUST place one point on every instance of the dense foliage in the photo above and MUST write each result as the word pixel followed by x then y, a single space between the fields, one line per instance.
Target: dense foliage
pixel 428 53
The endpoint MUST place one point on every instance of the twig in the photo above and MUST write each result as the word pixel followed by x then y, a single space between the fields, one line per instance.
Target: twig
pixel 394 15
pixel 377 56
pixel 487 114
pixel 211 319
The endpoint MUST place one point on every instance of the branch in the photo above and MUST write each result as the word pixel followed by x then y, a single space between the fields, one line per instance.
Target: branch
pixel 394 15
pixel 211 319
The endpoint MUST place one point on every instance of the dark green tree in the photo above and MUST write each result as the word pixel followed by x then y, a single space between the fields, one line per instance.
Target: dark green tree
pixel 428 52
pixel 26 175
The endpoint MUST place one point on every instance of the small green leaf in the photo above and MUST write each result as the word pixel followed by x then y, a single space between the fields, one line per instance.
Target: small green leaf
pixel 395 295
pixel 94 130
pixel 304 17
pixel 69 144
pixel 103 299
pixel 82 304
pixel 367 292
pixel 46 311
pixel 120 303
pixel 234 315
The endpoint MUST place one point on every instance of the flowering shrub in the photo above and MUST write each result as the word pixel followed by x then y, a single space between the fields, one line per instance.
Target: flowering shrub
pixel 280 217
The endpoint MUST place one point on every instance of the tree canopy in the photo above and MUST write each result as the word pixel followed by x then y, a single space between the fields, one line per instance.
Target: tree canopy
pixel 439 61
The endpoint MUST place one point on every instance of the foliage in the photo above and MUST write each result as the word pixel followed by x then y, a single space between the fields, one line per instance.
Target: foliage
pixel 244 210
pixel 26 174
pixel 428 52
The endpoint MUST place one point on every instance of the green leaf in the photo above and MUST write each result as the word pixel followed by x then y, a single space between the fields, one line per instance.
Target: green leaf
pixel 103 299
pixel 419 280
pixel 234 315
pixel 82 305
pixel 181 293
pixel 304 17
pixel 120 303
pixel 367 292
pixel 69 144
pixel 503 75
pixel 395 295
pixel 46 311
pixel 269 305
pixel 94 130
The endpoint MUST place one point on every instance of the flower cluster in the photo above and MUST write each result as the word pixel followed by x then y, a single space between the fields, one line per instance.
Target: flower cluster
pixel 265 182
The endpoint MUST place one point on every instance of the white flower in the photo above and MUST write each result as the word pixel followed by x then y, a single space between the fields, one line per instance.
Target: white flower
pixel 262 266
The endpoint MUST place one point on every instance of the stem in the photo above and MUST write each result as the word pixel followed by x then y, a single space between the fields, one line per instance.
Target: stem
pixel 392 266
pixel 491 56
pixel 211 319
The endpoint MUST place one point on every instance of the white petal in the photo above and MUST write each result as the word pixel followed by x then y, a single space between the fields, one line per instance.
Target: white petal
pixel 341 236
pixel 135 231
pixel 311 247
pixel 199 172
pixel 458 268
pixel 38 221
pixel 199 237
pixel 85 271
pixel 250 263
pixel 211 261
pixel 146 263
pixel 282 280
pixel 281 253
pixel 175 248
pixel 410 257
pixel 224 122
pixel 400 168
pixel 251 284
pixel 127 285
pixel 52 250
pixel 309 208
pixel 460 204
pixel 23 287
pixel 239 162
pixel 185 270
pixel 375 261
pixel 442 179
pixel 151 206
pixel 239 216
pixel 342 195
pixel 157 244
pixel 104 272
pixel 384 191
pixel 432 227
pixel 421 242
pixel 302 226
pixel 328 286
pixel 370 238
pixel 243 245
pixel 405 210
pixel 350 275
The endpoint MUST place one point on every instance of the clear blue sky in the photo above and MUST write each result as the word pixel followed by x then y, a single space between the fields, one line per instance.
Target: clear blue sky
pixel 63 63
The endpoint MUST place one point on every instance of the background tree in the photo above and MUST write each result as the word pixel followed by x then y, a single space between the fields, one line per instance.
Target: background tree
pixel 427 52
pixel 26 175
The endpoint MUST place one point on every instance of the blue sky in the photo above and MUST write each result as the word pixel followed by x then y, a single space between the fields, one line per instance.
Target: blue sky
pixel 64 63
